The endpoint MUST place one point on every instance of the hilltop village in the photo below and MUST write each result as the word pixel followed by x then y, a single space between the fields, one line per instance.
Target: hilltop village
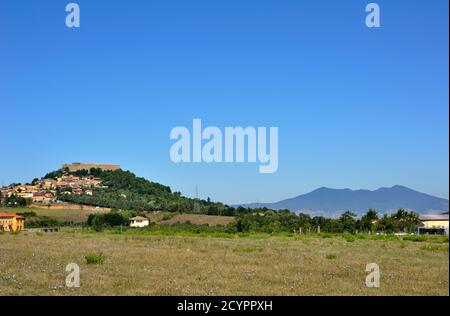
pixel 45 190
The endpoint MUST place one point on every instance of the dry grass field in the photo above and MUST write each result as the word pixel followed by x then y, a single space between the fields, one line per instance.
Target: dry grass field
pixel 211 220
pixel 67 206
pixel 69 213
pixel 136 264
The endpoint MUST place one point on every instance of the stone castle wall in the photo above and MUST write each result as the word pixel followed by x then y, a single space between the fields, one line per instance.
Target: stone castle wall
pixel 80 166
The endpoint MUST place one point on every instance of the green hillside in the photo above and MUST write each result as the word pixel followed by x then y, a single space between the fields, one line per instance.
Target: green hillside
pixel 124 190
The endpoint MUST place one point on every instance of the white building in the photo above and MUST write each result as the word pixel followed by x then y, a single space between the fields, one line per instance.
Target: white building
pixel 139 221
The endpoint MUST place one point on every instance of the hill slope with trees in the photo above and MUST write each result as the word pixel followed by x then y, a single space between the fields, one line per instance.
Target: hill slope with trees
pixel 124 190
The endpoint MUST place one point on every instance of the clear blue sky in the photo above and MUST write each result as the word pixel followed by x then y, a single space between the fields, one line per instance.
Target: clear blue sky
pixel 356 107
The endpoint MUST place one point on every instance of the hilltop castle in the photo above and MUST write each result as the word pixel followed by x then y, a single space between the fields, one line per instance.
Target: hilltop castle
pixel 75 166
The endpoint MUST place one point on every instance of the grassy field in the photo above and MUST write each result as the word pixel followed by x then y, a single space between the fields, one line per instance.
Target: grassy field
pixel 149 264
pixel 63 214
pixel 76 214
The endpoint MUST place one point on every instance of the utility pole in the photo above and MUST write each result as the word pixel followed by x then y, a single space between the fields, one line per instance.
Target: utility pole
pixel 196 206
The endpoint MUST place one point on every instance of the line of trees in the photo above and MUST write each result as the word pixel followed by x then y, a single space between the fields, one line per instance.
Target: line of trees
pixel 284 220
pixel 14 201
pixel 270 221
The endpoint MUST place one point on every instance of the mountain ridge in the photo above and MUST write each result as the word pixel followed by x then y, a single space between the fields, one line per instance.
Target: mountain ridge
pixel 329 201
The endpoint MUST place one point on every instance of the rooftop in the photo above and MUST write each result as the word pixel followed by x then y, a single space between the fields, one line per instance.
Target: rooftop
pixel 139 218
pixel 443 217
pixel 11 215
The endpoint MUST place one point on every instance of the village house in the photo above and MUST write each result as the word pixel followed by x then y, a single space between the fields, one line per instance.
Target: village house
pixel 77 191
pixel 31 188
pixel 25 195
pixel 46 183
pixel 61 184
pixel 139 221
pixel 43 197
pixel 11 222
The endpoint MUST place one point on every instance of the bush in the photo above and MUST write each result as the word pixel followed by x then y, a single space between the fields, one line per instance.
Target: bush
pixel 434 248
pixel 99 221
pixel 327 235
pixel 97 258
pixel 349 238
pixel 98 228
pixel 331 256
pixel 240 225
pixel 43 221
pixel 27 214
pixel 418 238
pixel 168 216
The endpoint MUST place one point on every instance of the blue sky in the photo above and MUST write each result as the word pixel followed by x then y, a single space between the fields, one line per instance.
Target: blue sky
pixel 356 107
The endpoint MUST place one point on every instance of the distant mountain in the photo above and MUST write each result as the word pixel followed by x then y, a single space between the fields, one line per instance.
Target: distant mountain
pixel 331 202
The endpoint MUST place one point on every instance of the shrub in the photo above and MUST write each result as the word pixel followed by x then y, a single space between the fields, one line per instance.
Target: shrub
pixel 99 221
pixel 168 216
pixel 43 221
pixel 418 238
pixel 247 249
pixel 349 238
pixel 98 228
pixel 331 256
pixel 434 248
pixel 27 214
pixel 384 237
pixel 240 225
pixel 115 219
pixel 94 258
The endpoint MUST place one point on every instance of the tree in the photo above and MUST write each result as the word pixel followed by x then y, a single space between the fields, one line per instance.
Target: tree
pixel 212 210
pixel 16 201
pixel 368 221
pixel 412 220
pixel 405 221
pixel 386 224
pixel 114 219
pixel 348 221
pixel 240 225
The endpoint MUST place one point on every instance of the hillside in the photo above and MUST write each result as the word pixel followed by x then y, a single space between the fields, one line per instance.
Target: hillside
pixel 331 202
pixel 124 190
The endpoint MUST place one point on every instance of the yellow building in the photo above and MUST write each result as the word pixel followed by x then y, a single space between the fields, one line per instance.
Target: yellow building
pixel 434 221
pixel 11 222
